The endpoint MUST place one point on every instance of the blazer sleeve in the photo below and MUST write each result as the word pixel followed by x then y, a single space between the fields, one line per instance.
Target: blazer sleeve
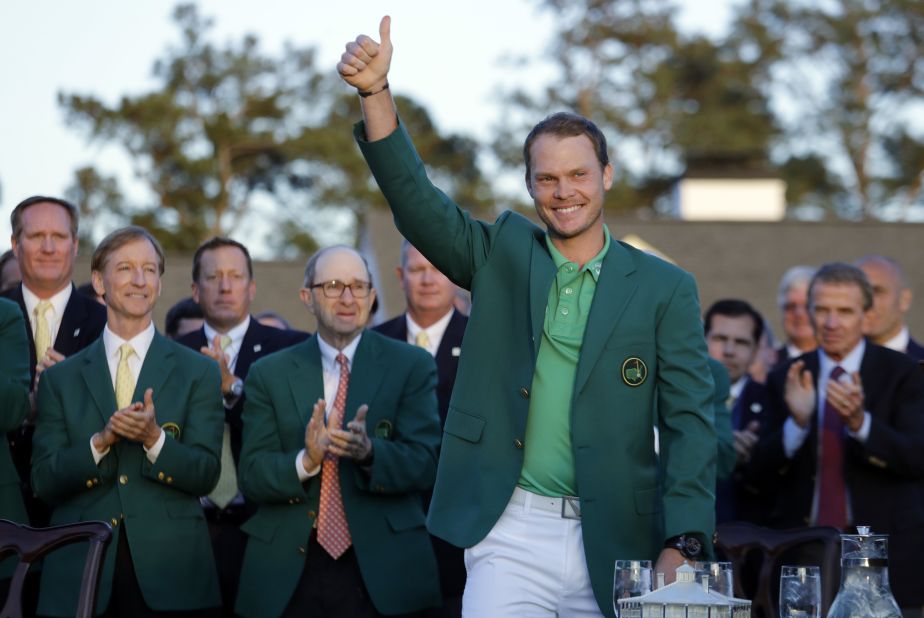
pixel 62 463
pixel 725 464
pixel 267 468
pixel 688 446
pixel 14 369
pixel 448 236
pixel 194 460
pixel 407 462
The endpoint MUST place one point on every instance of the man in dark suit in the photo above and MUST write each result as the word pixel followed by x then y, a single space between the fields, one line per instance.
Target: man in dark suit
pixel 892 297
pixel 844 443
pixel 224 287
pixel 432 322
pixel 792 300
pixel 577 348
pixel 340 439
pixel 59 322
pixel 129 432
pixel 733 331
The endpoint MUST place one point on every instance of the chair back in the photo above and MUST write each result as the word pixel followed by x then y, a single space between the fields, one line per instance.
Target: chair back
pixel 30 544
pixel 758 553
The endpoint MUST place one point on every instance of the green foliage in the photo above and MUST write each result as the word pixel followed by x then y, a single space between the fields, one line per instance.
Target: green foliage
pixel 234 140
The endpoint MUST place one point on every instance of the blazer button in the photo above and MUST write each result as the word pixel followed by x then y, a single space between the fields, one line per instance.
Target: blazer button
pixel 524 393
pixel 312 514
pixel 89 483
pixel 123 479
pixel 518 443
pixel 160 476
pixel 169 480
pixel 114 521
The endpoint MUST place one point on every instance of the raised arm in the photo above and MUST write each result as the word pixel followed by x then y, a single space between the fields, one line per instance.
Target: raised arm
pixel 364 65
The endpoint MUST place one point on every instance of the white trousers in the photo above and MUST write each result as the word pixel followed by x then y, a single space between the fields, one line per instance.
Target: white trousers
pixel 531 564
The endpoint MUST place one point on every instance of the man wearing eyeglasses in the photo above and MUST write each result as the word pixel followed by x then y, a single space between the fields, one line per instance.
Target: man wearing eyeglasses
pixel 792 299
pixel 340 439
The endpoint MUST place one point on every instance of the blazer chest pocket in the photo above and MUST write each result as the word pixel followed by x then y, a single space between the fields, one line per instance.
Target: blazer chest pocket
pixel 464 425
pixel 406 519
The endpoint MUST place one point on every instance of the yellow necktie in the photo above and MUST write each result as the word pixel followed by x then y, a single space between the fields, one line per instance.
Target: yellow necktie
pixel 422 340
pixel 226 489
pixel 125 381
pixel 42 331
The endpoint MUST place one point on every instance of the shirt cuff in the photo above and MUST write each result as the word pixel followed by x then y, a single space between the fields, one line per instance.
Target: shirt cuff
pixel 862 434
pixel 97 455
pixel 304 475
pixel 793 437
pixel 154 451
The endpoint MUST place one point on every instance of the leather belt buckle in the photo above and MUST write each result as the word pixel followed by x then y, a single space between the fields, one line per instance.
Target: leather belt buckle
pixel 570 507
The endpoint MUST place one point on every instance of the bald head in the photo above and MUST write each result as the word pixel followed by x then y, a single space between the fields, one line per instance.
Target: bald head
pixel 891 297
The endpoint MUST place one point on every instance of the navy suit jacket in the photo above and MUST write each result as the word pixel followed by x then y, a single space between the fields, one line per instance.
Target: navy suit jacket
pixel 915 350
pixel 883 475
pixel 259 341
pixel 447 355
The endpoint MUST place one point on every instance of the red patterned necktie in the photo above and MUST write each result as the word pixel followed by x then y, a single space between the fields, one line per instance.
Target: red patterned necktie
pixel 333 531
pixel 832 489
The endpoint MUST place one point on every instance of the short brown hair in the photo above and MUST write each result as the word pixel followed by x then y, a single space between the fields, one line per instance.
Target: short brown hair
pixel 840 273
pixel 120 238
pixel 567 124
pixel 216 242
pixel 16 215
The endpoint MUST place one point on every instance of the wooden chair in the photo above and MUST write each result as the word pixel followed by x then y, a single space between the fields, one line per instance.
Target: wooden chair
pixel 30 544
pixel 757 553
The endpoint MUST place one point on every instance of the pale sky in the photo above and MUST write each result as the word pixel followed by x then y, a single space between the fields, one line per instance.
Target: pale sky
pixel 448 55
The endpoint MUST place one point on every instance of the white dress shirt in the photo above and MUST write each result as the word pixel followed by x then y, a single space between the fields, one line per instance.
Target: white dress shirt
pixel 330 371
pixel 434 332
pixel 237 339
pixel 53 317
pixel 140 343
pixel 899 342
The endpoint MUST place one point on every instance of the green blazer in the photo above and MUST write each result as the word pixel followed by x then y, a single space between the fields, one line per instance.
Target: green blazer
pixel 157 503
pixel 383 506
pixel 725 463
pixel 644 309
pixel 14 406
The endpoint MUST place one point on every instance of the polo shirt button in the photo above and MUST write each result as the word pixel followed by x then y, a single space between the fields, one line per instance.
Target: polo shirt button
pixel 569 291
pixel 518 443
pixel 524 393
pixel 564 311
pixel 123 479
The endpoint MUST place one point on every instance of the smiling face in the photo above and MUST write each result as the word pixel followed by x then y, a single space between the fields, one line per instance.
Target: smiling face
pixel 567 184
pixel 130 281
pixel 342 318
pixel 45 248
pixel 224 289
pixel 837 317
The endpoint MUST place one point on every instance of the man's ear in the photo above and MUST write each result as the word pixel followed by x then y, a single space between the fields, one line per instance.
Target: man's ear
pixel 96 278
pixel 307 299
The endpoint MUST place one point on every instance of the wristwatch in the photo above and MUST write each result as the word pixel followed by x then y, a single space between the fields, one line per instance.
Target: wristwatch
pixel 237 389
pixel 688 545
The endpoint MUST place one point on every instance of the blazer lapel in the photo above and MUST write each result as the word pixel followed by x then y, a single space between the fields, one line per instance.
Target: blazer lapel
pixel 158 365
pixel 75 313
pixel 306 381
pixel 365 374
pixel 98 380
pixel 251 347
pixel 614 291
pixel 541 274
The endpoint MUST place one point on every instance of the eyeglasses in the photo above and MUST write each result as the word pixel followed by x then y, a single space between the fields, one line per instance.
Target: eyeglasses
pixel 334 288
pixel 792 307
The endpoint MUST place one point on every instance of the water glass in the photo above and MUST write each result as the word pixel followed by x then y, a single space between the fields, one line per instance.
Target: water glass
pixel 720 574
pixel 800 592
pixel 632 578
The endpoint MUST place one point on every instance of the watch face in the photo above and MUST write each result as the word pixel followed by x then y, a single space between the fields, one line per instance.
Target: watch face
pixel 691 547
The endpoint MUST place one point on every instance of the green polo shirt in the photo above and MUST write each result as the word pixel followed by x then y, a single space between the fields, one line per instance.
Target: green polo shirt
pixel 548 462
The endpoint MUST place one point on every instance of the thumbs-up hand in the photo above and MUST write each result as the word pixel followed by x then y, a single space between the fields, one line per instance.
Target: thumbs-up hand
pixel 365 63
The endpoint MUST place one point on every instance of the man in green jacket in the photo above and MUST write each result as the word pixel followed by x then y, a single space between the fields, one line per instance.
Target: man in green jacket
pixel 129 431
pixel 340 439
pixel 577 346
pixel 14 406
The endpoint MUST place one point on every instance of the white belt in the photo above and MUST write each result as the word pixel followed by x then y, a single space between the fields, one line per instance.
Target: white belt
pixel 569 507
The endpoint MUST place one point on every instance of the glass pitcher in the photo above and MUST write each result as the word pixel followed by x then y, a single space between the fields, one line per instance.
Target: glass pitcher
pixel 864 591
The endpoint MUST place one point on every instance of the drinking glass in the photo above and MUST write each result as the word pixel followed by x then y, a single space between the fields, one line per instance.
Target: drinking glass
pixel 632 578
pixel 800 592
pixel 720 576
